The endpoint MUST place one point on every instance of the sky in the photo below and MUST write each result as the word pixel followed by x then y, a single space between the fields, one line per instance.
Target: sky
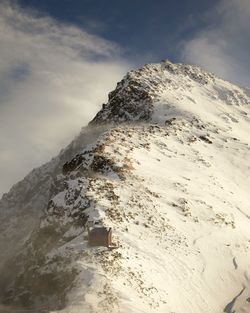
pixel 59 59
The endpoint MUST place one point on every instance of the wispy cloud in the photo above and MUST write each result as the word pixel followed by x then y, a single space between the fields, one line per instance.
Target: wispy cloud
pixel 53 79
pixel 223 46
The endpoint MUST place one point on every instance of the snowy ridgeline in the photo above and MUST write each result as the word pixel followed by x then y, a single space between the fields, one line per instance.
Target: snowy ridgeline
pixel 165 163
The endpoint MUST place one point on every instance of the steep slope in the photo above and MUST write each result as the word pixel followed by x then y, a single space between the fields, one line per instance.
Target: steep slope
pixel 168 171
pixel 22 207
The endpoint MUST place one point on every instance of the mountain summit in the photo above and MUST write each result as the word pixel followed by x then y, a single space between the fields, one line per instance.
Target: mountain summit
pixel 165 165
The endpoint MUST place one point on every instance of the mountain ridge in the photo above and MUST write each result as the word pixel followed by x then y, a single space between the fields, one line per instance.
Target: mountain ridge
pixel 162 119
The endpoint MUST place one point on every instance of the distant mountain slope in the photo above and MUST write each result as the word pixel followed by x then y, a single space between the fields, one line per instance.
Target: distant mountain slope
pixel 165 163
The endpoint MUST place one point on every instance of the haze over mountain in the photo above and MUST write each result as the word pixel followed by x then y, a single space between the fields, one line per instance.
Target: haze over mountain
pixel 165 164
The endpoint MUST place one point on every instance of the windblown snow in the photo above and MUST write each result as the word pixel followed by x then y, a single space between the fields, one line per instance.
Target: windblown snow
pixel 165 164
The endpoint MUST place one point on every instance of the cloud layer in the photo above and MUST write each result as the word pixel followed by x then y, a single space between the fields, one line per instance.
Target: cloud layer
pixel 53 79
pixel 223 46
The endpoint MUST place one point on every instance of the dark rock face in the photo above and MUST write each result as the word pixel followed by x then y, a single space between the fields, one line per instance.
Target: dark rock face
pixel 205 139
pixel 127 102
pixel 73 164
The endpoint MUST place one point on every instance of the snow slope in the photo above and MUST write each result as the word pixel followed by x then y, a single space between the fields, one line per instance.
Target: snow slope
pixel 169 172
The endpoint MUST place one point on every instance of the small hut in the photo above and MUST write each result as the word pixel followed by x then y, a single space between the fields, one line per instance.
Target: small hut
pixel 100 236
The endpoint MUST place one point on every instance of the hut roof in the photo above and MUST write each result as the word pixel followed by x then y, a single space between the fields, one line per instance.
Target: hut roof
pixel 99 231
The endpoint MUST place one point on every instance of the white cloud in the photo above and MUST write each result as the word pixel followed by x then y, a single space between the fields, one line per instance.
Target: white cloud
pixel 223 46
pixel 53 79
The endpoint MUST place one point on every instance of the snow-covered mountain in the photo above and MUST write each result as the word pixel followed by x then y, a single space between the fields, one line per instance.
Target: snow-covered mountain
pixel 165 163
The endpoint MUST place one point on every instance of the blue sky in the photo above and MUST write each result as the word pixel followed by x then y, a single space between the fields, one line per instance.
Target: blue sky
pixel 59 59
pixel 147 30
